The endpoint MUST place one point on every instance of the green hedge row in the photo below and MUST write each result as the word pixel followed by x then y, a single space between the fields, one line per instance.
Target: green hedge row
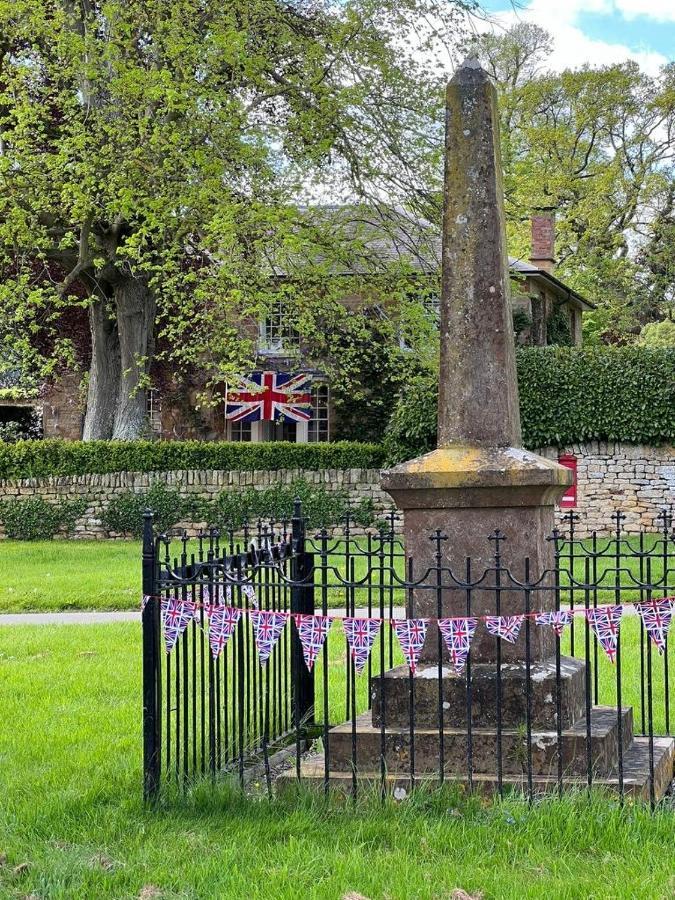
pixel 35 459
pixel 566 396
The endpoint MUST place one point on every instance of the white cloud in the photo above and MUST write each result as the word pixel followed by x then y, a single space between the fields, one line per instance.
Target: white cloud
pixel 660 10
pixel 573 48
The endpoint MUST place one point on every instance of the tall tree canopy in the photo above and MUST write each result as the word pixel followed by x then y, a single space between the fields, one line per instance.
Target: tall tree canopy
pixel 598 144
pixel 152 155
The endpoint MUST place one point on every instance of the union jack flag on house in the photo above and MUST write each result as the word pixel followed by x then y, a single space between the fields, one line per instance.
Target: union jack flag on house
pixel 269 397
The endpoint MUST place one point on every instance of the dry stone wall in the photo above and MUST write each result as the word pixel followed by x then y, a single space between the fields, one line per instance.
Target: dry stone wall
pixel 99 490
pixel 636 479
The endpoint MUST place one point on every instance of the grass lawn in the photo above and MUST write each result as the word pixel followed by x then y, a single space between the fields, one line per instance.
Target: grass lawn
pixel 72 824
pixel 104 575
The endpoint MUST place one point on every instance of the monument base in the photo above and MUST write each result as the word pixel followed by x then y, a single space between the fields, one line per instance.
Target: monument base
pixel 636 776
pixel 406 744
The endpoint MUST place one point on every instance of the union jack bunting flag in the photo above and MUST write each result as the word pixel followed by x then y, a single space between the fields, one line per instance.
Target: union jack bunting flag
pixel 222 622
pixel 312 631
pixel 220 597
pixel 144 602
pixel 557 619
pixel 176 616
pixel 360 634
pixel 411 634
pixel 505 627
pixel 248 592
pixel 267 628
pixel 605 623
pixel 269 396
pixel 457 634
pixel 656 618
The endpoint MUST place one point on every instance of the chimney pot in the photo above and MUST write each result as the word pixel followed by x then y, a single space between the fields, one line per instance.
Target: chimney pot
pixel 543 239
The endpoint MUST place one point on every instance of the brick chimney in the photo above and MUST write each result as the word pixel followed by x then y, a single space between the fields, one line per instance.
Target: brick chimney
pixel 543 239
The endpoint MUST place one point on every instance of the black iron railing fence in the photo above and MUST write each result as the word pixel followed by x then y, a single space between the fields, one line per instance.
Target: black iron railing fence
pixel 204 716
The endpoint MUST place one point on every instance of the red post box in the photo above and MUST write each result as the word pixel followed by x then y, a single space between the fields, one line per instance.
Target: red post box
pixel 569 498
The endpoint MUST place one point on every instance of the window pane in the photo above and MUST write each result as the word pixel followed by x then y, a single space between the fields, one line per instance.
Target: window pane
pixel 319 425
pixel 153 409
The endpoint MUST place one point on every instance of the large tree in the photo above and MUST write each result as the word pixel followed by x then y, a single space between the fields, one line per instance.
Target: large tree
pixel 152 155
pixel 598 144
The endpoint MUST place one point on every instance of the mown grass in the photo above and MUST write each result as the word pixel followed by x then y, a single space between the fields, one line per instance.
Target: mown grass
pixel 105 575
pixel 72 824
pixel 50 576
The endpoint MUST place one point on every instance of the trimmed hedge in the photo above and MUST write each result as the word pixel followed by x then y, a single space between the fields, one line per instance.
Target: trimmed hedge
pixel 37 459
pixel 566 396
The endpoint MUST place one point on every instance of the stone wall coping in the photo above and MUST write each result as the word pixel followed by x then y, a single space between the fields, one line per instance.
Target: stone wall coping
pixel 192 476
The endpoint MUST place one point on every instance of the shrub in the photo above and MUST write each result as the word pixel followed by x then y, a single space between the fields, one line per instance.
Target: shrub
pixel 567 395
pixel 35 459
pixel 231 509
pixel 124 513
pixel 320 507
pixel 34 519
pixel 658 334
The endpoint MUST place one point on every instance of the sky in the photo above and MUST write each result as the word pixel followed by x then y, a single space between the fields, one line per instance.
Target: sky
pixel 598 32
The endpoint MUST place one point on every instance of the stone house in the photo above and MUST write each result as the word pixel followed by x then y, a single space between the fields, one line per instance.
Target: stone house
pixel 172 409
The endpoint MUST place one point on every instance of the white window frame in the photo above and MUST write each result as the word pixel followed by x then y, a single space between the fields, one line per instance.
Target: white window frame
pixel 269 343
pixel 153 411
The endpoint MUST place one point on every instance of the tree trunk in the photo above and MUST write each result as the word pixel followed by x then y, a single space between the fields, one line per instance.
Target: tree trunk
pixel 135 319
pixel 104 374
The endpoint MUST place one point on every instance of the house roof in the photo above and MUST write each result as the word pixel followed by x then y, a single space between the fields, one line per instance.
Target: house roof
pixel 382 235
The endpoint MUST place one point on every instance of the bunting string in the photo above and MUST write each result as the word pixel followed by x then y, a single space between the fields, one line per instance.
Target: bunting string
pixel 457 631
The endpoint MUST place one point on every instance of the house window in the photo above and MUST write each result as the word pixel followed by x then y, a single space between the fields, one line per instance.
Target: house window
pixel 432 308
pixel 153 409
pixel 276 333
pixel 240 431
pixel 319 425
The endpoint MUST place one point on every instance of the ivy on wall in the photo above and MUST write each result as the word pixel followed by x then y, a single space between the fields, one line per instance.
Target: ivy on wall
pixel 567 396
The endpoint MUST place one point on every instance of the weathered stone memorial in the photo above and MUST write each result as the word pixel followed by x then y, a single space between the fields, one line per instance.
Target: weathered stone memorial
pixel 480 481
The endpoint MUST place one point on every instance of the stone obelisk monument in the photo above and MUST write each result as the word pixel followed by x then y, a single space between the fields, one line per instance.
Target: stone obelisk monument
pixel 480 480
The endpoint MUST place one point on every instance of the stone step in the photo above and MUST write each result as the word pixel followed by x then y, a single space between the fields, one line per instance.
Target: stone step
pixel 635 781
pixel 368 742
pixel 390 693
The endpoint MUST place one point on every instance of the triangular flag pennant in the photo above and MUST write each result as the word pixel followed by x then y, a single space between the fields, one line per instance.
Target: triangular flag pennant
pixel 312 631
pixel 144 602
pixel 249 592
pixel 411 634
pixel 220 597
pixel 505 627
pixel 605 623
pixel 360 634
pixel 457 634
pixel 267 627
pixel 222 622
pixel 176 616
pixel 656 618
pixel 557 619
